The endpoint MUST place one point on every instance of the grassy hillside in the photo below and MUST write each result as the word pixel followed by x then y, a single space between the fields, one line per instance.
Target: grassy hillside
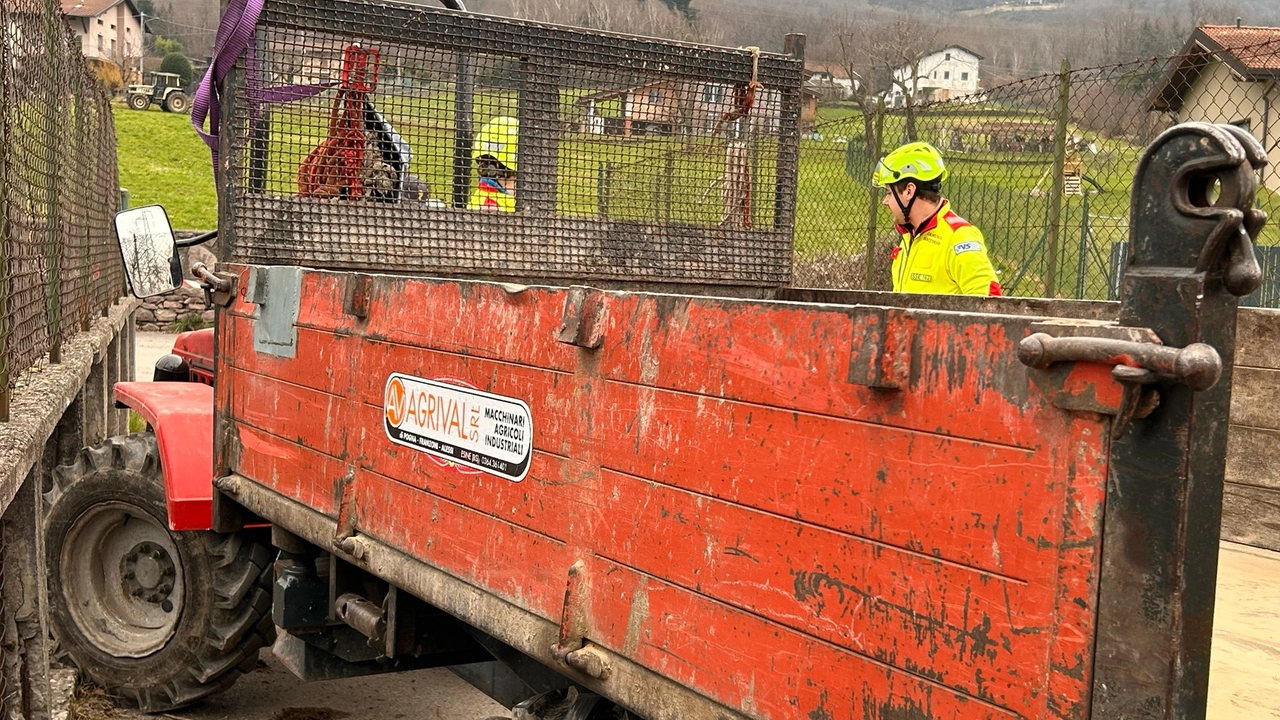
pixel 163 161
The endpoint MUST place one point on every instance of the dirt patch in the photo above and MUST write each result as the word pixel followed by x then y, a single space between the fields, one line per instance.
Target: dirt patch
pixel 91 703
pixel 309 713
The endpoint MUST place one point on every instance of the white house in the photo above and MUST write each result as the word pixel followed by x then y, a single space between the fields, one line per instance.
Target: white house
pixel 1228 74
pixel 109 30
pixel 940 75
pixel 830 83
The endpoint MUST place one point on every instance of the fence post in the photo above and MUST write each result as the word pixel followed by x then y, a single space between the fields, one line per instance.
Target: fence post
pixel 1055 188
pixel 51 148
pixel 1082 266
pixel 6 279
pixel 875 146
pixel 604 174
pixel 670 171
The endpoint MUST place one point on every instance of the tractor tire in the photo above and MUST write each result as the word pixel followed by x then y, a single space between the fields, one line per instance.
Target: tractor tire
pixel 139 102
pixel 176 103
pixel 157 618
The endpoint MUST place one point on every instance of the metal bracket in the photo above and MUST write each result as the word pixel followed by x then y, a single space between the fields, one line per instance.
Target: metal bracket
pixel 277 291
pixel 584 317
pixel 219 289
pixel 881 350
pixel 1135 365
pixel 573 649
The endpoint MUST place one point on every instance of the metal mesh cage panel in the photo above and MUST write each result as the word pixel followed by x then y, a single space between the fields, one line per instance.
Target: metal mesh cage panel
pixel 407 139
pixel 58 187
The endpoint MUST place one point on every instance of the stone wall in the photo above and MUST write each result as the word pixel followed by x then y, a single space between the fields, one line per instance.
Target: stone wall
pixel 57 409
pixel 185 306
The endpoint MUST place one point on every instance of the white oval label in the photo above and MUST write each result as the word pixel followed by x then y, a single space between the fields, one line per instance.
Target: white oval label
pixel 490 433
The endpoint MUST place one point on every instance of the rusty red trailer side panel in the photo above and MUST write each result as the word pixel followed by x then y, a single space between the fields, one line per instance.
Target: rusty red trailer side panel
pixel 753 520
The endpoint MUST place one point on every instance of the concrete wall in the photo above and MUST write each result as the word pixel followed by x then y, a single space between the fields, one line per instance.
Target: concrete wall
pixel 56 411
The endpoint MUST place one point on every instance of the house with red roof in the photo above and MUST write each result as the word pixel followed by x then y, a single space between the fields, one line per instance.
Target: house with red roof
pixel 1228 74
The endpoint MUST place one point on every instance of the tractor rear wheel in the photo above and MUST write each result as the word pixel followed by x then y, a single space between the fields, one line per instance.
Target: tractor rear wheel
pixel 176 103
pixel 156 617
pixel 139 102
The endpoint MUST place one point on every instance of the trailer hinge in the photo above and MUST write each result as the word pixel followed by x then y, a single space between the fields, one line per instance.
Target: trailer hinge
pixel 572 648
pixel 219 289
pixel 1139 367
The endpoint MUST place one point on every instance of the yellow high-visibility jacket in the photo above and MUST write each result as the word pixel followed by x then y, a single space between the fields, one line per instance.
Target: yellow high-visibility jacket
pixel 946 257
pixel 490 195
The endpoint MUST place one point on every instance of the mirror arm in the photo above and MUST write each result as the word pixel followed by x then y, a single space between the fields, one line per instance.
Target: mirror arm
pixel 197 240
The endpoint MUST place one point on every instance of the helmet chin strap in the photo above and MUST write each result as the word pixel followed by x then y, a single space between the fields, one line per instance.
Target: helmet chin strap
pixel 906 209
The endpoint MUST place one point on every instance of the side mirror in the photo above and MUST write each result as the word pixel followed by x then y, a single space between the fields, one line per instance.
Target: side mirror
pixel 149 251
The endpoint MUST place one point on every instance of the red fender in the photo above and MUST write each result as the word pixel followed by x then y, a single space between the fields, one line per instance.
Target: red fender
pixel 181 415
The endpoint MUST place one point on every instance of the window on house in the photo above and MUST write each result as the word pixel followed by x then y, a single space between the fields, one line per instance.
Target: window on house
pixel 101 43
pixel 655 97
pixel 713 93
pixel 113 27
pixel 113 44
pixel 946 75
pixel 100 21
pixel 964 76
pixel 948 56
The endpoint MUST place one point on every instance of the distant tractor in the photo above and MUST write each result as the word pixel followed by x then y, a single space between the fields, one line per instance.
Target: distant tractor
pixel 165 90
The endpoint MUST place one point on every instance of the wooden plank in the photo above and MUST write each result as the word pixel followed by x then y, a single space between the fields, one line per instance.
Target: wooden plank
pixel 1258 338
pixel 1253 456
pixel 1251 515
pixel 1255 398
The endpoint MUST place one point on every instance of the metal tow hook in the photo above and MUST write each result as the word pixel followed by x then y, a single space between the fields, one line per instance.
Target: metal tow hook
pixel 1136 365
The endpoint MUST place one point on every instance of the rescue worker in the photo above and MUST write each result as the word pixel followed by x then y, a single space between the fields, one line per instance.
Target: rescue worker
pixel 495 152
pixel 940 252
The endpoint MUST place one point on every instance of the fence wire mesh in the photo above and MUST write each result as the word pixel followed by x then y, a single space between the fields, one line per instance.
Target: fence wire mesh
pixel 58 188
pixel 384 136
pixel 1043 166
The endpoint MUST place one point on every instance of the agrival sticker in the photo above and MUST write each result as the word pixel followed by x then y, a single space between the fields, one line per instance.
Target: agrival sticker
pixel 490 433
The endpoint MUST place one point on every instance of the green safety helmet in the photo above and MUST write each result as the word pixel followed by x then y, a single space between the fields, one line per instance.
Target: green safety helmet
pixel 915 161
pixel 500 140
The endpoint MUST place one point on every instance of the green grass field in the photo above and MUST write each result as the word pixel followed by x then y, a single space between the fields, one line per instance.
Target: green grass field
pixel 162 161
pixel 1006 194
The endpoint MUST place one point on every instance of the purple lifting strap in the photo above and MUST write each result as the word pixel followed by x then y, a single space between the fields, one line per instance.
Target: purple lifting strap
pixel 235 36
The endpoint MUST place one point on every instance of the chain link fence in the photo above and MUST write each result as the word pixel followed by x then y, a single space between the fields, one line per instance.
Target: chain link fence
pixel 58 189
pixel 1043 166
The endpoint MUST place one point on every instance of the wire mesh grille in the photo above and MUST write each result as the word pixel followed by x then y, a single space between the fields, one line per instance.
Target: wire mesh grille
pixel 58 187
pixel 400 138
pixel 1043 166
